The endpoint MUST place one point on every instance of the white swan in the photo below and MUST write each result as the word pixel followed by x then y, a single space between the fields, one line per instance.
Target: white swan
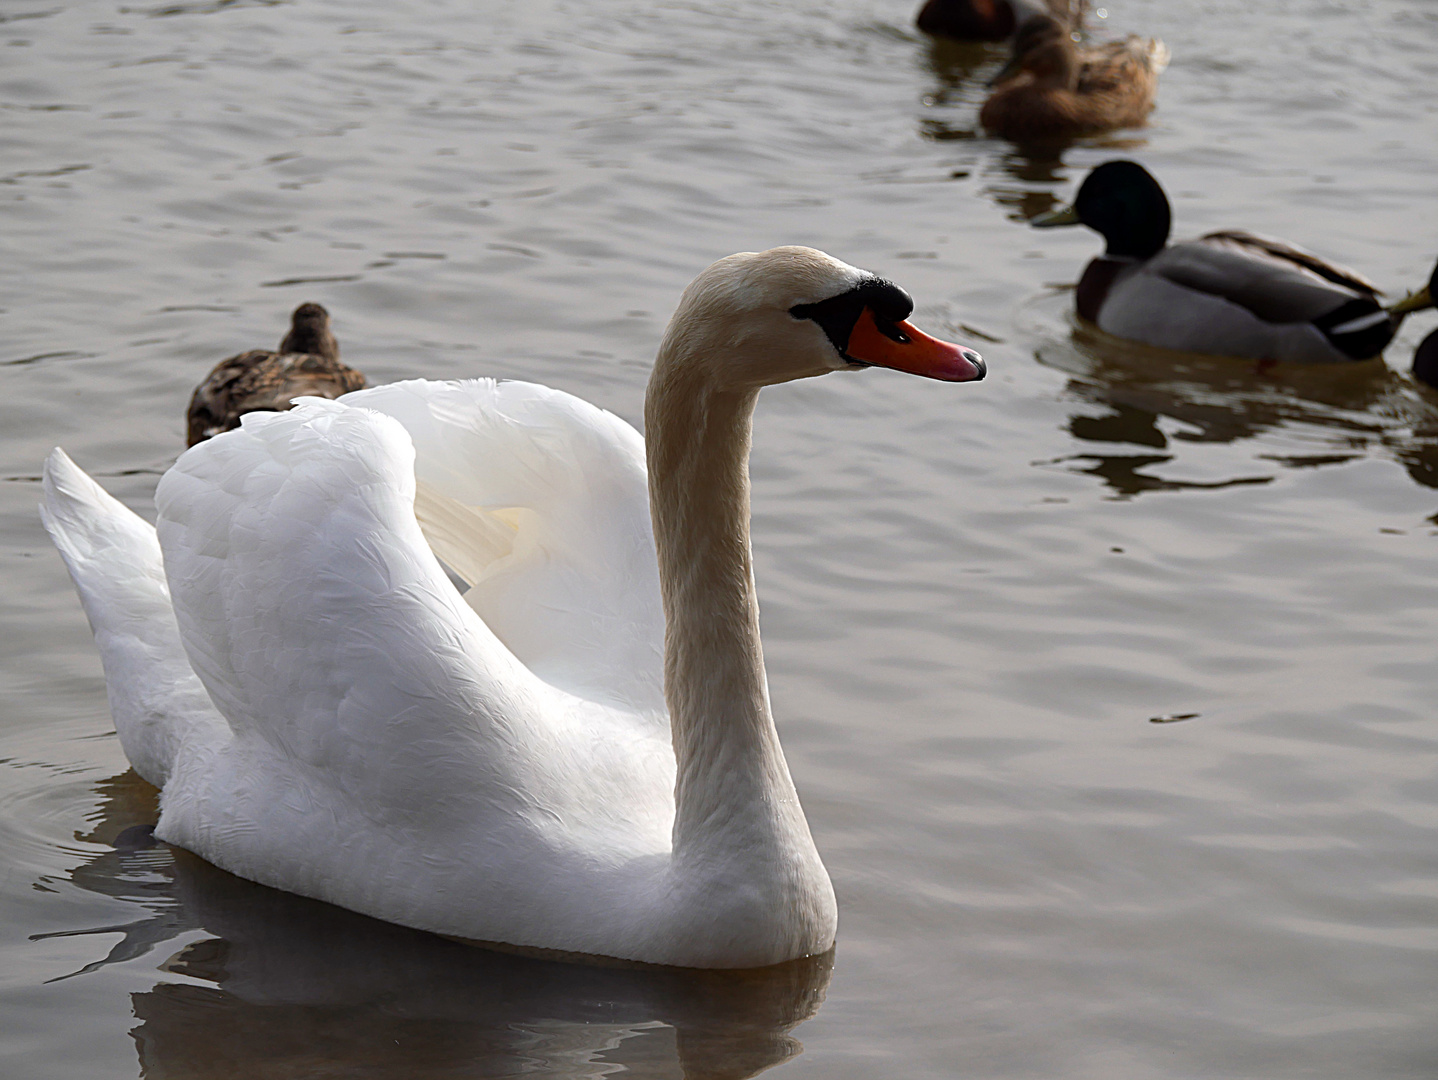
pixel 325 713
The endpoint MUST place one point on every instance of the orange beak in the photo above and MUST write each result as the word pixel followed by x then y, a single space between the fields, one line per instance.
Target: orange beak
pixel 904 347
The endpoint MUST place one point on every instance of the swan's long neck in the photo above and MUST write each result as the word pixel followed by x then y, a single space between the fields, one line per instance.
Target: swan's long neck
pixel 734 794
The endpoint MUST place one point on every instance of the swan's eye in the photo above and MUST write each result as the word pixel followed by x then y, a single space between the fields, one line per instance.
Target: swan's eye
pixel 837 315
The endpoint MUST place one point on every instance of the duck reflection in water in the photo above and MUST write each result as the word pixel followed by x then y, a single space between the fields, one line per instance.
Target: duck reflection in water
pixel 1022 178
pixel 1029 176
pixel 301 988
pixel 1153 402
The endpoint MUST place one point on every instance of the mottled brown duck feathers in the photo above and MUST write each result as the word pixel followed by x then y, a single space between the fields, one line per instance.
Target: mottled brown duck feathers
pixel 307 364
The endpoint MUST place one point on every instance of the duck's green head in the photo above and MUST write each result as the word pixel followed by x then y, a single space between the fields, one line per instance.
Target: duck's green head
pixel 1124 203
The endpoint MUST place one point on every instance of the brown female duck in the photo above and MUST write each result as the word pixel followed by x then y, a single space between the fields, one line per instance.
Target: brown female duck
pixel 306 365
pixel 1052 89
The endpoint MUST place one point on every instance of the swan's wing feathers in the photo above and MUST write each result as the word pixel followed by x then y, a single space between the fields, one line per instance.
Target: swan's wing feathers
pixel 157 702
pixel 540 501
pixel 316 615
pixel 467 539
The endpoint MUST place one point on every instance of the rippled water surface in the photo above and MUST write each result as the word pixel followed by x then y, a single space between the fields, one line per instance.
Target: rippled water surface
pixel 975 597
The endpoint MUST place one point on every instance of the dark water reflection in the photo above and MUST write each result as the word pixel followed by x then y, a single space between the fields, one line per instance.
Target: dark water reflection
pixel 960 71
pixel 961 68
pixel 1341 413
pixel 300 988
pixel 1420 456
pixel 1028 180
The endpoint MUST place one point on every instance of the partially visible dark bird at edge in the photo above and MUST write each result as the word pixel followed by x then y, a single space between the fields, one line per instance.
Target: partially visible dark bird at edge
pixel 993 20
pixel 1425 357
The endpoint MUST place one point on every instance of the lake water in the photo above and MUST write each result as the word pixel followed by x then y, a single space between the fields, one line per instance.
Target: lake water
pixel 975 597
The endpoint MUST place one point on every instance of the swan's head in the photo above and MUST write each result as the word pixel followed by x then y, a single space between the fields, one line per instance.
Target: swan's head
pixel 759 318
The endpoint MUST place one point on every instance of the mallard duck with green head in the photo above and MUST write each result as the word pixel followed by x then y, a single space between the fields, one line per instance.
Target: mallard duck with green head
pixel 1229 293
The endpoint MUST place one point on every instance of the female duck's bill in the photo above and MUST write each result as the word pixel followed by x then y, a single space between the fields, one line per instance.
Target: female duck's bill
pixel 1418 299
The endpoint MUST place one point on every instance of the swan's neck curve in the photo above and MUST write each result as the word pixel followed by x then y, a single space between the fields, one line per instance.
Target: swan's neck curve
pixel 736 806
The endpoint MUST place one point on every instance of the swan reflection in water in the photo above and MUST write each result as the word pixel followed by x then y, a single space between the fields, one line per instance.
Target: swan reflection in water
pixel 299 988
pixel 1331 414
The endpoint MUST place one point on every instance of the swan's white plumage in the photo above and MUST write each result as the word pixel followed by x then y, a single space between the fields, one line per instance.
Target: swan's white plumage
pixel 416 769
pixel 578 753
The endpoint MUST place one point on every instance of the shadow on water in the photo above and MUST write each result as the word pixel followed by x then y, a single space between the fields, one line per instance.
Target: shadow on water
pixel 300 988
pixel 1152 402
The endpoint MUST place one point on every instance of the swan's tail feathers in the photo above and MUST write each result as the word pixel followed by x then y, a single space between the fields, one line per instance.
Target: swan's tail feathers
pixel 114 558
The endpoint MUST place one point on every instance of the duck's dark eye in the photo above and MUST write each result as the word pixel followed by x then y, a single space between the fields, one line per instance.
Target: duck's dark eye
pixel 837 315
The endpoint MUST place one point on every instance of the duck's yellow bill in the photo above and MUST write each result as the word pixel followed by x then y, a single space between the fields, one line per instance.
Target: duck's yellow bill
pixel 1417 301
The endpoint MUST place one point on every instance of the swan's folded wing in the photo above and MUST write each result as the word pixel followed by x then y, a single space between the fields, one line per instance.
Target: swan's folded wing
pixel 319 620
pixel 540 501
